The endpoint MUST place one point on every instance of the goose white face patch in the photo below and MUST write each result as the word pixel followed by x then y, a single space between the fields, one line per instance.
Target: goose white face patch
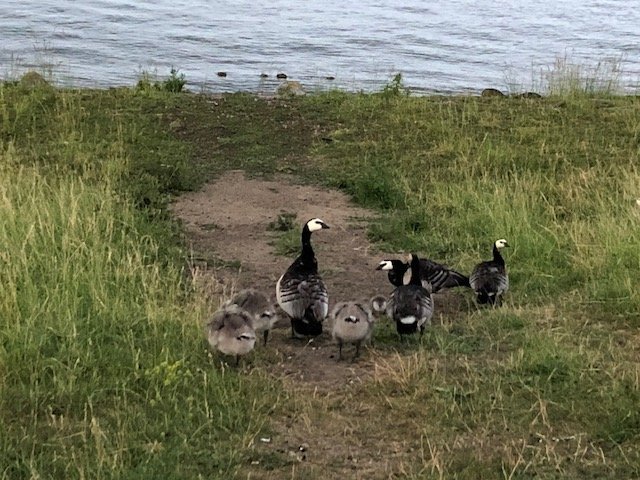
pixel 316 224
pixel 385 265
pixel 408 320
pixel 501 243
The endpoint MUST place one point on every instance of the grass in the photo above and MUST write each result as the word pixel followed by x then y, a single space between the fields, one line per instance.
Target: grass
pixel 103 369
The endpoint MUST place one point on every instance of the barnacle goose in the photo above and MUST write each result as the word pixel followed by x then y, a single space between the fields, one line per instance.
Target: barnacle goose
pixel 352 323
pixel 260 308
pixel 489 279
pixel 231 332
pixel 300 291
pixel 411 305
pixel 438 275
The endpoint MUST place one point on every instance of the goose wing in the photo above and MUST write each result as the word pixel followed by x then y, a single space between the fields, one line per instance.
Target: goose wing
pixel 298 296
pixel 490 278
pixel 441 276
pixel 317 298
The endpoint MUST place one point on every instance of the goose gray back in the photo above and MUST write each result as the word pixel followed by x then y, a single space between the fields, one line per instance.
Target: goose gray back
pixel 260 308
pixel 490 279
pixel 230 331
pixel 352 323
pixel 300 291
pixel 411 306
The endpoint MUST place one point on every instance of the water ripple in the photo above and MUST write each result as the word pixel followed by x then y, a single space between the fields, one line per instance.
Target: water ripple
pixel 445 46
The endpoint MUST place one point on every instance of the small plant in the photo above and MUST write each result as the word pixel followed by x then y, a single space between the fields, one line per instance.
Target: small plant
pixel 145 82
pixel 284 222
pixel 395 87
pixel 175 83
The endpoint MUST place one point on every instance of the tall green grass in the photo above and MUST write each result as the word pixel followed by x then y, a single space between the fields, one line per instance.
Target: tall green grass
pixel 558 180
pixel 104 372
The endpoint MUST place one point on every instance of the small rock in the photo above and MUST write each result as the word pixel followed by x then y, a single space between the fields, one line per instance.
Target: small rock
pixel 281 75
pixel 264 75
pixel 329 77
pixel 290 88
pixel 529 95
pixel 222 74
pixel 33 79
pixel 492 92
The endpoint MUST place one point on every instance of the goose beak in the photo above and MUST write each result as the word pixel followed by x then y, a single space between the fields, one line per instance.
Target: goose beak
pixel 324 225
pixel 385 265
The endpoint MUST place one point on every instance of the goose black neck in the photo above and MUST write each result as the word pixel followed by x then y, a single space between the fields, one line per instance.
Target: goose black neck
pixel 497 257
pixel 307 250
pixel 415 271
pixel 396 274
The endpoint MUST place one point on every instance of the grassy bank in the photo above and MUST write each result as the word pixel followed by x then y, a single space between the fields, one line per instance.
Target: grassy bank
pixel 103 368
pixel 102 364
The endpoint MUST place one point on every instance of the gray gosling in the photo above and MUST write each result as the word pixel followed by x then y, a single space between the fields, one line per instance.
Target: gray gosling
pixel 378 305
pixel 352 323
pixel 261 309
pixel 230 331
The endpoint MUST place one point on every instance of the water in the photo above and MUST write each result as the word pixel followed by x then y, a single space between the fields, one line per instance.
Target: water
pixel 438 46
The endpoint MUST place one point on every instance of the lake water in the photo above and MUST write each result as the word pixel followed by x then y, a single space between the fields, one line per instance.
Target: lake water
pixel 438 46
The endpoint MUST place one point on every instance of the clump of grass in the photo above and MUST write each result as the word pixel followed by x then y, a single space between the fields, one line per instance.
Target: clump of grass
pixel 284 222
pixel 174 83
pixel 394 88
pixel 568 78
pixel 287 243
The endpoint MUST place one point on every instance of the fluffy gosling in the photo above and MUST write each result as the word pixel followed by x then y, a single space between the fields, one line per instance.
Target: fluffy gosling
pixel 230 331
pixel 378 305
pixel 259 306
pixel 352 323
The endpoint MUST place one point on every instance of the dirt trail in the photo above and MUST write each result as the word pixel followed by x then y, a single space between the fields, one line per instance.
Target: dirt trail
pixel 229 220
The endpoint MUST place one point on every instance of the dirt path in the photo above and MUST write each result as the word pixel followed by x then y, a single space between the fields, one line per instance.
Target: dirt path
pixel 229 220
pixel 227 223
